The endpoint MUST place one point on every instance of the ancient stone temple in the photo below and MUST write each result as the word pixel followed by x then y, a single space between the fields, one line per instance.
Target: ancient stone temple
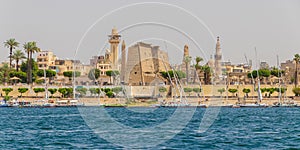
pixel 144 62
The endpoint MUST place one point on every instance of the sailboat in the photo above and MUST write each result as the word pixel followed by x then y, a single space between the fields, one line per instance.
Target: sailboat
pixel 259 94
pixel 286 102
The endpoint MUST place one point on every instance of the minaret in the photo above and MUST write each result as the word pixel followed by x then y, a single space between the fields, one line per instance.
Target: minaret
pixel 218 59
pixel 123 71
pixel 114 43
pixel 186 62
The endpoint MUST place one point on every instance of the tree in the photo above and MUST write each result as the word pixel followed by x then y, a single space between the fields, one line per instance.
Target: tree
pixel 170 73
pixel 52 91
pixel 197 66
pixel 17 56
pixel 69 74
pixel 5 72
pixel 246 91
pixel 297 60
pixel 110 94
pixel 187 61
pixel 19 74
pixel 207 73
pixel 197 90
pixel 22 90
pixel 94 74
pixel 93 91
pixel 221 91
pixel 296 91
pixel 11 44
pixel 188 90
pixel 276 72
pixel 82 91
pixel 7 90
pixel 49 73
pixel 38 90
pixel 112 73
pixel 117 90
pixel 198 60
pixel 63 91
pixel 232 91
pixel 271 91
pixel 30 48
pixel 281 90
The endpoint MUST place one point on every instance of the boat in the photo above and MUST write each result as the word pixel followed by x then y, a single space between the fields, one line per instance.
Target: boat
pixel 259 94
pixel 3 103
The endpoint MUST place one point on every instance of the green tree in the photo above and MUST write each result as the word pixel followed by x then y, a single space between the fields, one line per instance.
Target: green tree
pixel 63 91
pixel 30 48
pixel 11 44
pixel 38 90
pixel 188 90
pixel 162 89
pixel 49 74
pixel 7 90
pixel 82 91
pixel 297 60
pixel 5 72
pixel 94 74
pixel 18 56
pixel 197 90
pixel 19 74
pixel 207 73
pixel 197 66
pixel 22 90
pixel 276 72
pixel 70 74
pixel 112 73
pixel 246 91
pixel 117 90
pixel 271 91
pixel 110 94
pixel 232 91
pixel 93 91
pixel 221 91
pixel 170 73
pixel 52 91
pixel 296 91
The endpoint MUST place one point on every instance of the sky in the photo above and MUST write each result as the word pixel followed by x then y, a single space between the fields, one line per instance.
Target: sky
pixel 79 28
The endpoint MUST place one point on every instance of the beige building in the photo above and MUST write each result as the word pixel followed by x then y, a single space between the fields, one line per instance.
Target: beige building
pixel 67 65
pixel 45 59
pixel 289 71
pixel 144 62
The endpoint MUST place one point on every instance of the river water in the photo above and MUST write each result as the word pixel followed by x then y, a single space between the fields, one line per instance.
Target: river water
pixel 233 128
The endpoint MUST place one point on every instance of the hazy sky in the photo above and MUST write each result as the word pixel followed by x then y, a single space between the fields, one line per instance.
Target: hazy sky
pixel 58 25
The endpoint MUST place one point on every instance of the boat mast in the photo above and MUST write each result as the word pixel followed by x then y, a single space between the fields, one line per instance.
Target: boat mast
pixel 46 87
pixel 279 81
pixel 259 98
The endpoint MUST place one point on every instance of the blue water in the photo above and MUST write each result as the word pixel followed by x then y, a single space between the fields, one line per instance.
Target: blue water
pixel 64 128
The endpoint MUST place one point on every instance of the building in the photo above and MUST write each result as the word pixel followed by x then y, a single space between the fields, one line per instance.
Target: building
pixel 144 62
pixel 218 60
pixel 45 59
pixel 263 65
pixel 289 71
pixel 62 66
pixel 114 40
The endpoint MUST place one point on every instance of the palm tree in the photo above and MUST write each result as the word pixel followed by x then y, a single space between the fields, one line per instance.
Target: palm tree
pixel 30 48
pixel 187 60
pixel 11 44
pixel 297 60
pixel 197 66
pixel 17 56
pixel 207 73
